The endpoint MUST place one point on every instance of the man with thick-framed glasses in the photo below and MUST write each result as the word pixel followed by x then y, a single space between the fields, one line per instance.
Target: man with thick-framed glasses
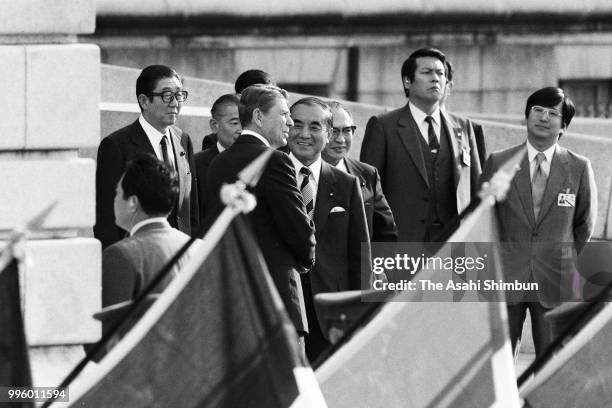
pixel 160 95
pixel 546 218
pixel 381 224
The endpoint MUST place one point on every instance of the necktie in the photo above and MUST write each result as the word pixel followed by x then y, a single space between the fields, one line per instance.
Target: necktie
pixel 434 145
pixel 164 148
pixel 538 184
pixel 307 192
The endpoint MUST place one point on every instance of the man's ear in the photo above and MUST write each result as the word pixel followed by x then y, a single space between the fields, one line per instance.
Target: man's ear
pixel 258 117
pixel 214 126
pixel 406 85
pixel 143 101
pixel 133 203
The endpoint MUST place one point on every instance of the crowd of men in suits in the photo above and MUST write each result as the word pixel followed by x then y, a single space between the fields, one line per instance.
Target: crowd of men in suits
pixel 317 209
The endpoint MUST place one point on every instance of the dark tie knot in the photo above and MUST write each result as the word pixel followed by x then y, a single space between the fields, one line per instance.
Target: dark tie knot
pixel 429 119
pixel 305 171
pixel 164 140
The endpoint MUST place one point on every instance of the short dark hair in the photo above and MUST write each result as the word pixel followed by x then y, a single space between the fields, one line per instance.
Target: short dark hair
pixel 337 105
pixel 409 66
pixel 155 185
pixel 550 97
pixel 150 76
pixel 222 102
pixel 261 97
pixel 314 101
pixel 253 77
pixel 449 70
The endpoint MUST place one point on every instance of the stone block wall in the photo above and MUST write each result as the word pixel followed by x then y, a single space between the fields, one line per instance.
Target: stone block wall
pixel 51 110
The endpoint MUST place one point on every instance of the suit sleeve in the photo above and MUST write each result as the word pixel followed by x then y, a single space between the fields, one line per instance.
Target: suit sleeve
pixel 383 223
pixel 373 148
pixel 194 207
pixel 293 223
pixel 586 208
pixel 358 233
pixel 110 167
pixel 120 280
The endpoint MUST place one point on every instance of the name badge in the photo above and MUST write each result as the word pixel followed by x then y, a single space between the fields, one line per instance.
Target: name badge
pixel 566 200
pixel 465 158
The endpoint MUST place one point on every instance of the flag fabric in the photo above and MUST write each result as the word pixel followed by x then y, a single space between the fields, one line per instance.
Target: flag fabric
pixel 429 354
pixel 218 336
pixel 14 360
pixel 579 375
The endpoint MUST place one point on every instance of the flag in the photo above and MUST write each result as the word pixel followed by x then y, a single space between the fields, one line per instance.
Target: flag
pixel 429 354
pixel 14 360
pixel 218 336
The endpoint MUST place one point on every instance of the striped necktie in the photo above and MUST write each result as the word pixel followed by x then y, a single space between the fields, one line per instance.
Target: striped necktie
pixel 307 192
pixel 538 184
pixel 164 148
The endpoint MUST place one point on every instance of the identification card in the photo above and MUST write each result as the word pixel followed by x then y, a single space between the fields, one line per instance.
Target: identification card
pixel 465 157
pixel 566 200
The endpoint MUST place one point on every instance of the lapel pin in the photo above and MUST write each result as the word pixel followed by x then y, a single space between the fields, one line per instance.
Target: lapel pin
pixel 331 194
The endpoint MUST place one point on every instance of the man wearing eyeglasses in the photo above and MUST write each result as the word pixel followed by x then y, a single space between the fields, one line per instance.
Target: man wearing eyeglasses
pixel 333 200
pixel 381 225
pixel 160 95
pixel 546 218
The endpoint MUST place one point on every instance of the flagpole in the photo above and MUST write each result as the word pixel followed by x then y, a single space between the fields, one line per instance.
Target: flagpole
pixel 237 200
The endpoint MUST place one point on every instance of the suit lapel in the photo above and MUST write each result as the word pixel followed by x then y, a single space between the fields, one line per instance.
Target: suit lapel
pixel 180 162
pixel 139 138
pixel 555 182
pixel 352 170
pixel 408 132
pixel 451 129
pixel 522 183
pixel 325 191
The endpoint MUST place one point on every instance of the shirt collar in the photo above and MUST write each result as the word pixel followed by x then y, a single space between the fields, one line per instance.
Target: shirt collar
pixel 147 221
pixel 220 147
pixel 315 167
pixel 257 135
pixel 532 152
pixel 342 165
pixel 419 116
pixel 153 134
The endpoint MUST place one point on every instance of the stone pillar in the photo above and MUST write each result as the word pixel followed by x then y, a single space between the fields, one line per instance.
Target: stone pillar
pixel 49 99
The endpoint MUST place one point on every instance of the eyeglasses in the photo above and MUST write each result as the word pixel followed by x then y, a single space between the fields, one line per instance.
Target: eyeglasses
pixel 168 96
pixel 314 130
pixel 346 131
pixel 551 112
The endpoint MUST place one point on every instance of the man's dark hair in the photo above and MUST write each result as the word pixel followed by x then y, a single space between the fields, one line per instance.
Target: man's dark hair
pixel 409 66
pixel 314 101
pixel 253 77
pixel 150 76
pixel 550 97
pixel 152 182
pixel 261 97
pixel 222 102
pixel 449 70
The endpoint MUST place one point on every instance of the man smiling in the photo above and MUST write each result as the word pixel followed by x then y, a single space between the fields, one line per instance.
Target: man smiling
pixel 333 200
pixel 160 95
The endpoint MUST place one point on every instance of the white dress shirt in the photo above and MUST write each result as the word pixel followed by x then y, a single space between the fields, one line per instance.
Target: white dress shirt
pixel 531 154
pixel 419 117
pixel 155 138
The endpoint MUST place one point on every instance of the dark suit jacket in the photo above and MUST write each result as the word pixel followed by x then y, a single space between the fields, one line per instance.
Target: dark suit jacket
pixel 202 162
pixel 381 224
pixel 391 145
pixel 478 136
pixel 209 141
pixel 131 263
pixel 339 234
pixel 284 232
pixel 122 146
pixel 545 248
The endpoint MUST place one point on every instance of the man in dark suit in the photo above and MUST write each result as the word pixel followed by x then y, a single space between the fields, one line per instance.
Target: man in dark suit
pixel 281 224
pixel 547 217
pixel 427 161
pixel 335 203
pixel 160 95
pixel 378 214
pixel 145 195
pixel 244 80
pixel 226 125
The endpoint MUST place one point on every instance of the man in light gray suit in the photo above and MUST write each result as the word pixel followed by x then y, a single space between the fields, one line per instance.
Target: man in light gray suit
pixel 145 195
pixel 547 217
